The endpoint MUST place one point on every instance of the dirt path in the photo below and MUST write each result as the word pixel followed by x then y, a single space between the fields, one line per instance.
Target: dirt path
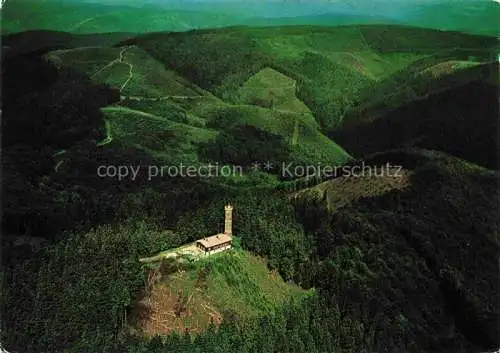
pixel 56 168
pixel 157 99
pixel 295 135
pixel 119 59
pixel 84 21
pixel 58 164
pixel 131 68
pixel 108 137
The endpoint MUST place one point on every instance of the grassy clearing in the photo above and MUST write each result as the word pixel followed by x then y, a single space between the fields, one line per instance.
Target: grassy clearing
pixel 271 89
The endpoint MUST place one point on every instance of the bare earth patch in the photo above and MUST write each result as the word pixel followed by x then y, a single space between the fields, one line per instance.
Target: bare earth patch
pixel 169 308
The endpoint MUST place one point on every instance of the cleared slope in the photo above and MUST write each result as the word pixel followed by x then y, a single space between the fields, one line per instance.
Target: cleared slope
pixel 422 259
pixel 131 70
pixel 232 284
pixel 170 141
pixel 271 89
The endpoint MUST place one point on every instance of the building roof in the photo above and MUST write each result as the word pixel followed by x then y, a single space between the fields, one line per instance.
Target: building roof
pixel 214 240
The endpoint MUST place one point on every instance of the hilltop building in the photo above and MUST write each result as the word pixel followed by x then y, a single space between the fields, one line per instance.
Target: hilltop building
pixel 222 241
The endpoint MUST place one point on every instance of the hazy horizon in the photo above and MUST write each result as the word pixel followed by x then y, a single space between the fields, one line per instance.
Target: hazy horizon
pixel 472 16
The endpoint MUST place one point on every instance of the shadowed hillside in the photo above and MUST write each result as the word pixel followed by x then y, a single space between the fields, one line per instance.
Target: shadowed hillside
pixel 38 40
pixel 408 250
pixel 461 121
pixel 421 79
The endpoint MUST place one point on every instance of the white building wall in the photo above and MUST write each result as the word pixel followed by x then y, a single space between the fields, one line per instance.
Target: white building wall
pixel 218 250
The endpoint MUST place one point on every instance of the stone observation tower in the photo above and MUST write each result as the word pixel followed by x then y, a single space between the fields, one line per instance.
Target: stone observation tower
pixel 228 219
pixel 222 241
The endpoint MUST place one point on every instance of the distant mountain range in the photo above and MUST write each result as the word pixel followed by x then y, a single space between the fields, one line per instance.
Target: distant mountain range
pixel 89 16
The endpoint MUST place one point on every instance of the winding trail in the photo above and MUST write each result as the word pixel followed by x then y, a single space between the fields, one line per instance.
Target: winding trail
pixel 84 21
pixel 56 167
pixel 157 99
pixel 58 164
pixel 131 68
pixel 120 59
pixel 137 112
pixel 111 63
pixel 108 137
pixel 59 153
pixel 295 135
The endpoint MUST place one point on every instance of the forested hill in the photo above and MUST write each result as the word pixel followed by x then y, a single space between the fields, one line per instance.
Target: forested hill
pixel 422 245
